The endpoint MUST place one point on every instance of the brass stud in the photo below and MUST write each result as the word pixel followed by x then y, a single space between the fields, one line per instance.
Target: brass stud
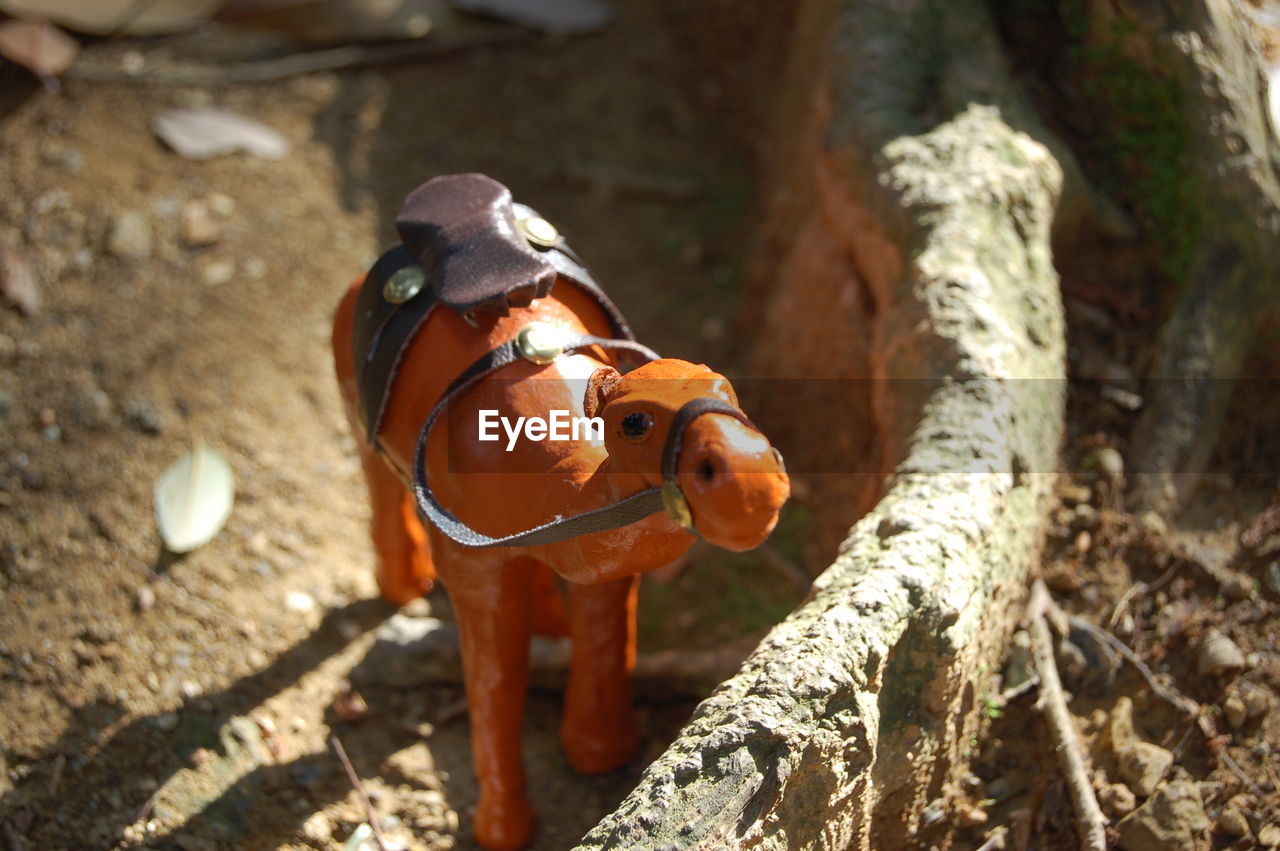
pixel 676 505
pixel 540 343
pixel 539 231
pixel 404 284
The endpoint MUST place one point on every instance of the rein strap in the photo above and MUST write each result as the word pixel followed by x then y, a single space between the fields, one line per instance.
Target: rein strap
pixel 624 512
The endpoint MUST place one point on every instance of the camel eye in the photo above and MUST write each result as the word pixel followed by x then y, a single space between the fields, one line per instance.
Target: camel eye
pixel 636 425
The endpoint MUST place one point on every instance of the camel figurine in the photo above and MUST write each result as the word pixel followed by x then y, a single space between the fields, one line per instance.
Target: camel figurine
pixel 483 313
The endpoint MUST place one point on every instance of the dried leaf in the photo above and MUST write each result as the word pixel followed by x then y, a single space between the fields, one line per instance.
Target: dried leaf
pixel 555 17
pixel 198 134
pixel 116 17
pixel 44 50
pixel 193 499
pixel 17 281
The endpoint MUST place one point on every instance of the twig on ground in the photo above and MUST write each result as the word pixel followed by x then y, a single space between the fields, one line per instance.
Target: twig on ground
pixel 1009 695
pixel 59 763
pixel 1174 697
pixel 997 839
pixel 1090 822
pixel 364 799
pixel 1177 699
pixel 1210 733
pixel 1139 589
pixel 266 70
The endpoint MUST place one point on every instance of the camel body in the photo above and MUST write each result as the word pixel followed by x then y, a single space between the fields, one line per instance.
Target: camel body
pixel 730 475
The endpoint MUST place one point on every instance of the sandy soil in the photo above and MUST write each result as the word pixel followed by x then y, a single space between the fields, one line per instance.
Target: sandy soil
pixel 126 676
pixel 161 702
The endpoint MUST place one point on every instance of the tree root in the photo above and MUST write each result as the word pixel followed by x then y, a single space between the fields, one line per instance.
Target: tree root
pixel 928 217
pixel 1233 275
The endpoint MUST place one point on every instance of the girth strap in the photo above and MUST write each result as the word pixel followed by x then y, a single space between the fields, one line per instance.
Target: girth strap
pixel 621 513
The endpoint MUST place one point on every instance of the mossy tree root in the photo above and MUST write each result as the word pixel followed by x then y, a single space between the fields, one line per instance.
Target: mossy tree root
pixel 859 709
pixel 1232 280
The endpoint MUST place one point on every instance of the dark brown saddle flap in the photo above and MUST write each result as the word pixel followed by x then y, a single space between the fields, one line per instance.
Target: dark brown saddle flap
pixel 461 229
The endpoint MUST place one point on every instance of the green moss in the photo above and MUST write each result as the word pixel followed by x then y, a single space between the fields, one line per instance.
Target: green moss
pixel 723 596
pixel 1138 150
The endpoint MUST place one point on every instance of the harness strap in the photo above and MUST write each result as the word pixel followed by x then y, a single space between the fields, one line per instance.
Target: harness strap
pixel 386 329
pixel 626 511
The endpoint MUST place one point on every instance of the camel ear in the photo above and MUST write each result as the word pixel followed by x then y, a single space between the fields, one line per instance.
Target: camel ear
pixel 600 387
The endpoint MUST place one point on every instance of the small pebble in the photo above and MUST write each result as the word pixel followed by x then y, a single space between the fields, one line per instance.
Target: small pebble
pixel 1074 494
pixel 1257 700
pixel 1271 578
pixel 1233 710
pixel 1121 398
pixel 130 237
pixel 1269 836
pixel 299 601
pixel 1117 800
pixel 317 829
pixel 1083 542
pixel 998 788
pixel 167 721
pixel 196 225
pixel 144 598
pixel 215 273
pixel 1218 654
pixel 970 816
pixel 1232 822
pixel 255 268
pixel 350 706
pixel 1237 586
pixel 145 416
pixel 91 407
pixel 1154 523
pixel 223 205
pixel 1106 461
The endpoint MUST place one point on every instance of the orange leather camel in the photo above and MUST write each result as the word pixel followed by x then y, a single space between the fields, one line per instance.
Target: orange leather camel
pixel 725 482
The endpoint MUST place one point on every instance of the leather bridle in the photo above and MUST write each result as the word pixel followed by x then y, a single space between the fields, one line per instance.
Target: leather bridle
pixel 636 507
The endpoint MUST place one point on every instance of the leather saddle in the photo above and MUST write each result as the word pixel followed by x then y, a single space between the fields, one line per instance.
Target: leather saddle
pixel 466 245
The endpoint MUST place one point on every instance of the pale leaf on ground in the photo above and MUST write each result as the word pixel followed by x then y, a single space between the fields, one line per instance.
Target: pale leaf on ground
pixel 193 499
pixel 199 134
pixel 555 17
pixel 116 17
pixel 40 48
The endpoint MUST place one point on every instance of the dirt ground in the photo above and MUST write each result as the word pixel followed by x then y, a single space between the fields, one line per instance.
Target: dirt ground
pixel 187 703
pixel 147 701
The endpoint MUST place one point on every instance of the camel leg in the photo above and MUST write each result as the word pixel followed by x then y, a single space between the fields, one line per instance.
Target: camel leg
pixel 598 730
pixel 405 571
pixel 492 605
